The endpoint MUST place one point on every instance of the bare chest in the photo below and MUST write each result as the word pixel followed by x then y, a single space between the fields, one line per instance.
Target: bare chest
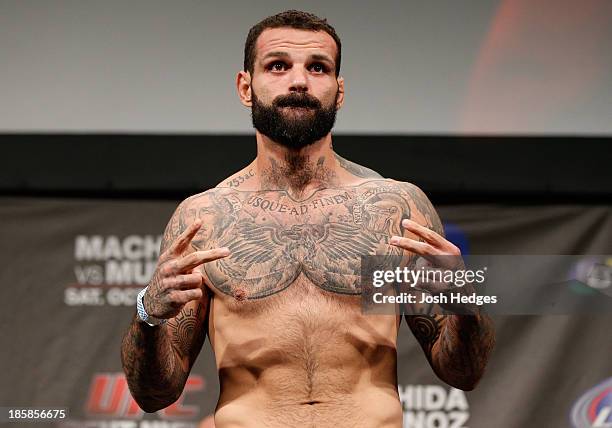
pixel 274 240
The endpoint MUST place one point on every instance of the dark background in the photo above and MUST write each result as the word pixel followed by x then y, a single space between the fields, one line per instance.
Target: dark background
pixel 450 169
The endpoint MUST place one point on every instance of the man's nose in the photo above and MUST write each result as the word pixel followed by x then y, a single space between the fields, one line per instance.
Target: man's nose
pixel 299 82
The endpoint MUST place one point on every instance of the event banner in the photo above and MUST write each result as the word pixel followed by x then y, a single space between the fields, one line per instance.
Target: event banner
pixel 72 269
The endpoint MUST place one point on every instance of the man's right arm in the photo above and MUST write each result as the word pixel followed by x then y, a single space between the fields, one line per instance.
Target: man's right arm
pixel 157 359
pixel 155 372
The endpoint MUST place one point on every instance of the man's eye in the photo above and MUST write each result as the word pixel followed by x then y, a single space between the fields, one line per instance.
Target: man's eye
pixel 318 68
pixel 277 66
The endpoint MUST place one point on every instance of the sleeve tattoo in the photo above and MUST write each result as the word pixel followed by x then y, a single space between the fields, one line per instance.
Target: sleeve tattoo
pixel 157 360
pixel 456 346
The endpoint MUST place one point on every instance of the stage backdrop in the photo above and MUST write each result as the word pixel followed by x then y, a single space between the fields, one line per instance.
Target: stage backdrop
pixel 71 269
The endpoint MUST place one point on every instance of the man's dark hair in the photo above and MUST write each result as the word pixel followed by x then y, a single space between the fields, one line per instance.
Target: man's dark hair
pixel 292 19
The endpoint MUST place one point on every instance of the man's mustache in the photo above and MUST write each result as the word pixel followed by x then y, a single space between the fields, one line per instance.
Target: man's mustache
pixel 297 100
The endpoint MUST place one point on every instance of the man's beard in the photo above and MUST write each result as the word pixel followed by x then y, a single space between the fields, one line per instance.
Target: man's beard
pixel 293 132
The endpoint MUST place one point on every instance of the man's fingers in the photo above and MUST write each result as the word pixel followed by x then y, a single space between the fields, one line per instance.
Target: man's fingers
pixel 186 296
pixel 432 254
pixel 186 282
pixel 196 258
pixel 431 237
pixel 427 234
pixel 183 240
pixel 421 248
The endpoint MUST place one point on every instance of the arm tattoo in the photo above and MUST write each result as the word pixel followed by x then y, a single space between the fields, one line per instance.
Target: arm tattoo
pixel 457 346
pixel 187 332
pixel 155 376
pixel 157 360
pixel 464 348
pixel 426 329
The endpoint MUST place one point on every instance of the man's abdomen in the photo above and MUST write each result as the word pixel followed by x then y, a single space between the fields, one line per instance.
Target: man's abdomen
pixel 304 357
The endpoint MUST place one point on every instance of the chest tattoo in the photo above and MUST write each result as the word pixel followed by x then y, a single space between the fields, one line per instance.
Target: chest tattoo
pixel 273 238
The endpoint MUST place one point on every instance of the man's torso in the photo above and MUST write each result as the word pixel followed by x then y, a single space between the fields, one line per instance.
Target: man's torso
pixel 285 322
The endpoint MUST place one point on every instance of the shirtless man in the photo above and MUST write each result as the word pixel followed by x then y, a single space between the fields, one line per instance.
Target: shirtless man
pixel 267 264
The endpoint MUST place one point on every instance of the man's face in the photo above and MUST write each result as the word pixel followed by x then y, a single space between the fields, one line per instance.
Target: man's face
pixel 294 87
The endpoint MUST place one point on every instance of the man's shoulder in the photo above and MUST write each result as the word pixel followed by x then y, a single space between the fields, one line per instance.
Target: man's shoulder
pixel 356 169
pixel 406 188
pixel 204 198
pixel 421 209
pixel 369 177
pixel 408 192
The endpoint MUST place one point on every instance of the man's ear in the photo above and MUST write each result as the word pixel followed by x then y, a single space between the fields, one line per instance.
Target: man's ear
pixel 340 98
pixel 243 86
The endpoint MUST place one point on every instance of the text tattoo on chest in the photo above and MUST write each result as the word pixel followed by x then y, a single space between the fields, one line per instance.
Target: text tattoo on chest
pixel 273 238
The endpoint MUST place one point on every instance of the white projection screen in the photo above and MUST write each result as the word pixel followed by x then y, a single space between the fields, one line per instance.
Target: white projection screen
pixel 443 67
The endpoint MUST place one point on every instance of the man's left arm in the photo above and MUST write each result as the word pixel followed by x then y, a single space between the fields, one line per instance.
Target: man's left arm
pixel 456 346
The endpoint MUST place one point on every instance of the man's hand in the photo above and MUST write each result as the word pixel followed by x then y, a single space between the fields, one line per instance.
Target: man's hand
pixel 174 282
pixel 436 252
